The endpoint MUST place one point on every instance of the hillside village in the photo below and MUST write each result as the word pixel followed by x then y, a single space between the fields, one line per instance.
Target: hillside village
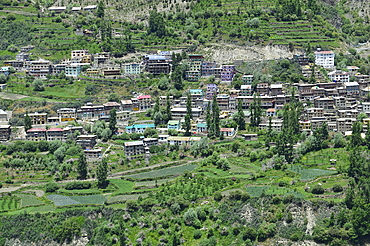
pixel 337 97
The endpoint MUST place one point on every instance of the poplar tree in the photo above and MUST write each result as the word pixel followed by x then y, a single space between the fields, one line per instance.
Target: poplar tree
pixel 168 108
pixel 239 117
pixel 27 122
pixel 82 167
pixel 102 173
pixel 113 120
pixel 215 117
pixel 188 116
pixel 256 111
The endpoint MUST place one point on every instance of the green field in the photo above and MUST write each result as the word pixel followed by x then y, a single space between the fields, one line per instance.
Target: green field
pixel 123 186
pixel 60 200
pixel 81 192
pixel 9 202
pixel 123 198
pixel 309 174
pixel 164 172
pixel 29 200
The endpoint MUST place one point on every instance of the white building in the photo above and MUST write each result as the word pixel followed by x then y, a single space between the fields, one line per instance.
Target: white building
pixel 324 58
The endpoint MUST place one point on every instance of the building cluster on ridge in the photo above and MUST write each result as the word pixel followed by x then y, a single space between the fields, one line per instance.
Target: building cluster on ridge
pixel 336 98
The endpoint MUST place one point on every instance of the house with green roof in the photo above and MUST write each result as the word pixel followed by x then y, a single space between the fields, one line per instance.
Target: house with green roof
pixel 174 124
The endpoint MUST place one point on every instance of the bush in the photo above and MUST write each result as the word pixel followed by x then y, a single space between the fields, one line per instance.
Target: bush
pixel 78 186
pixel 51 187
pixel 317 190
pixel 197 234
pixel 217 196
pixel 337 188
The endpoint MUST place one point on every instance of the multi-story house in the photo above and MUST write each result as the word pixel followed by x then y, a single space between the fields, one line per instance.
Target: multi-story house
pixel 305 125
pixel 326 103
pixel 276 89
pixel 227 73
pixel 22 56
pixel 324 58
pixel 127 105
pixel 223 101
pixel 79 53
pixel 144 102
pixel 208 68
pixel 73 70
pixel 38 118
pixel 194 72
pixel 111 105
pixel 181 112
pixel 157 65
pixel 352 88
pixel 345 124
pixel 314 112
pixel 139 128
pixel 174 125
pixel 111 71
pixel 67 114
pixel 212 89
pixel 39 69
pixel 247 79
pixel 59 68
pixel 3 116
pixel 132 68
pixel 134 148
pixel 36 134
pixel 86 141
pixel 349 113
pixel 148 142
pixel 196 57
pixel 227 132
pixel 246 90
pixel 174 140
pixel 55 134
pixel 263 89
pixel 302 60
pixel 5 132
pixel 27 48
pixel 365 107
pixel 317 122
pixel 339 76
pixel 89 111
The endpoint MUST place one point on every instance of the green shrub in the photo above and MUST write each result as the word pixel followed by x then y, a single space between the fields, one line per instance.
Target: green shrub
pixel 317 190
pixel 337 188
pixel 78 186
pixel 197 234
pixel 217 196
pixel 51 187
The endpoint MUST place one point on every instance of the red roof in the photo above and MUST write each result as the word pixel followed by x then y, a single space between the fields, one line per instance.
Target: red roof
pixel 37 130
pixel 226 129
pixel 143 97
pixel 55 130
pixel 323 52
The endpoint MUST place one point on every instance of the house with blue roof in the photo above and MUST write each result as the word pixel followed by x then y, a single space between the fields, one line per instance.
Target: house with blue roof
pixel 139 128
pixel 5 70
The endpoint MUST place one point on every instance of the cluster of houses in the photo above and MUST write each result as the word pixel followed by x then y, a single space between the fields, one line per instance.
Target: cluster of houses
pixel 336 98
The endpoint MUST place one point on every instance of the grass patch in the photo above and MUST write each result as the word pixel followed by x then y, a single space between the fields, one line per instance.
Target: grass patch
pixel 29 200
pixel 81 192
pixel 164 172
pixel 123 186
pixel 152 182
pixel 309 174
pixel 123 198
pixel 60 200
pixel 256 191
